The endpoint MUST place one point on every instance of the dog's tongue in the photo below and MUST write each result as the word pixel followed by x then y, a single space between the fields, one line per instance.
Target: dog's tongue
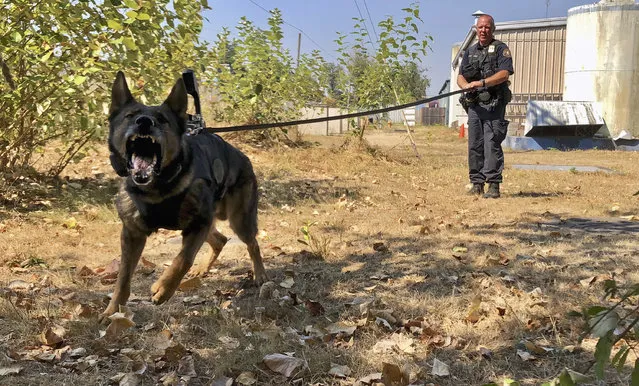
pixel 142 163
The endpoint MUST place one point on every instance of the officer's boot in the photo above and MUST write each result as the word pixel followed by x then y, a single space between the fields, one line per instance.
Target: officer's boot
pixel 493 190
pixel 476 190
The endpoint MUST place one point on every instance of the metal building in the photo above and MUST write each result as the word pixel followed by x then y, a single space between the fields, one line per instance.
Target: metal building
pixel 538 50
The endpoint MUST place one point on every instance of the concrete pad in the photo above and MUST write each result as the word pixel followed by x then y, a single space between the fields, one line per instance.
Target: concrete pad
pixel 565 168
pixel 594 225
pixel 558 143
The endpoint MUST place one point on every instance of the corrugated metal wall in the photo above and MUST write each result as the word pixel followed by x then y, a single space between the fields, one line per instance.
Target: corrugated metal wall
pixel 538 57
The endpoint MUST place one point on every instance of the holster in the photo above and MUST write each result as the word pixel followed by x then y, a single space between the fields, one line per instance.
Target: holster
pixel 468 99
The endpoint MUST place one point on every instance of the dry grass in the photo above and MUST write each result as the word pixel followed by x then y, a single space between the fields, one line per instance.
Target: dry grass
pixel 523 258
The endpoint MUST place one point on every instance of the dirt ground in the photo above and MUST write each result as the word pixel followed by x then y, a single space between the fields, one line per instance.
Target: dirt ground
pixel 399 273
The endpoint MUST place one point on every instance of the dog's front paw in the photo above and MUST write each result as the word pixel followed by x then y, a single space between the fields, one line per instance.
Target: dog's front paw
pixel 199 271
pixel 161 291
pixel 103 318
pixel 260 277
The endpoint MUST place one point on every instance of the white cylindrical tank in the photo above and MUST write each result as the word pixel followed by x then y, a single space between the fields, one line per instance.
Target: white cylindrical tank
pixel 602 56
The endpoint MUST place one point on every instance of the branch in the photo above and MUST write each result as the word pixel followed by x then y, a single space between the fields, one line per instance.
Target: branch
pixel 6 72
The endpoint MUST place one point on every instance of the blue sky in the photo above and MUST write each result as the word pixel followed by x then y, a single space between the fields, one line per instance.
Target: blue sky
pixel 446 21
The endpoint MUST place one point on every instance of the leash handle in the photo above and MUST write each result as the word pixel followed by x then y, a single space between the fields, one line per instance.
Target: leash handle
pixel 195 124
pixel 188 76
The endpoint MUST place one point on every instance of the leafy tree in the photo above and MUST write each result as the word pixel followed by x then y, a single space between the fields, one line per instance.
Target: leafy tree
pixel 385 72
pixel 412 82
pixel 616 324
pixel 333 73
pixel 58 60
pixel 256 79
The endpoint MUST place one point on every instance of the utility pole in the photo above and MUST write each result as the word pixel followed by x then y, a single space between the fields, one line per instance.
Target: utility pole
pixel 299 46
pixel 547 5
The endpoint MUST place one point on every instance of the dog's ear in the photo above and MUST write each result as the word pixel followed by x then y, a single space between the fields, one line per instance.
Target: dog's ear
pixel 177 100
pixel 120 94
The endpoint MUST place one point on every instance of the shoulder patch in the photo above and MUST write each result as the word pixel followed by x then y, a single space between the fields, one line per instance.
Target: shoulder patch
pixel 506 53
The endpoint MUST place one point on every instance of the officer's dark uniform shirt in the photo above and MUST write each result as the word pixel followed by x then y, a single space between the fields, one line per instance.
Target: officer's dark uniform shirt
pixel 486 61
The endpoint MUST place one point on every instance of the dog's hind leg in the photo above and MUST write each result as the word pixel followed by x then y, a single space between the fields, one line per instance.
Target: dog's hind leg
pixel 217 241
pixel 259 273
pixel 243 221
pixel 165 286
pixel 132 244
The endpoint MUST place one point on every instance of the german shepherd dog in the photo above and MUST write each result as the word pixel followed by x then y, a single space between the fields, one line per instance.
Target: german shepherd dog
pixel 175 181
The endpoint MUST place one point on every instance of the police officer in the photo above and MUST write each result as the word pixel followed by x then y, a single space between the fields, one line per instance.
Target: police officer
pixel 484 72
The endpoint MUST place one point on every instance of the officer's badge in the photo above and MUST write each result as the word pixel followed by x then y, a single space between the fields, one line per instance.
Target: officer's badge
pixel 506 53
pixel 491 49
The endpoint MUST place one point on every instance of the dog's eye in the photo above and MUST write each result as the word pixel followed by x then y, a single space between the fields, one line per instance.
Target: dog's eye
pixel 161 119
pixel 129 115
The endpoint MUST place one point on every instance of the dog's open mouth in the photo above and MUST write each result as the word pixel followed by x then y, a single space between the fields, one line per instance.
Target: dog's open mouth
pixel 144 158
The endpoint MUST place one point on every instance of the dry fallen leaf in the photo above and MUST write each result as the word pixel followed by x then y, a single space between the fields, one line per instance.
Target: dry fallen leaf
pixel 191 284
pixel 170 379
pixel 146 267
pixel 393 375
pixel 174 352
pixel 11 370
pixel 525 355
pixel 315 308
pixel 186 367
pixel 283 364
pixel 533 348
pixel 85 272
pixel 340 328
pixel 383 322
pixel 404 343
pixel 18 285
pixel 380 247
pixel 120 321
pixel 229 342
pixel 84 311
pixel 130 379
pixel 246 378
pixel 440 368
pixel 473 312
pixel 52 335
pixel 287 283
pixel 222 381
pixel 339 371
pixel 112 267
pixel 370 379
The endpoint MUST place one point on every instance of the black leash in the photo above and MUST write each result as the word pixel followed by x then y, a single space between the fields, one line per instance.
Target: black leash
pixel 263 126
pixel 196 123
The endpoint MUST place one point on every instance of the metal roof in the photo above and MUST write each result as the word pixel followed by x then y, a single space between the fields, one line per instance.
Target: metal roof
pixel 509 25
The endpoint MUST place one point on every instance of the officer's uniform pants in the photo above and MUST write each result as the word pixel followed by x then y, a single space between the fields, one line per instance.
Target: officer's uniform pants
pixel 486 131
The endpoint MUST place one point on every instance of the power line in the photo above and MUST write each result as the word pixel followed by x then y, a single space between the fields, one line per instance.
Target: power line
pixel 299 29
pixel 365 27
pixel 371 20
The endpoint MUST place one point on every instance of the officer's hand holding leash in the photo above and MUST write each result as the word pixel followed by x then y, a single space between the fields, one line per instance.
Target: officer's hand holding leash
pixel 474 85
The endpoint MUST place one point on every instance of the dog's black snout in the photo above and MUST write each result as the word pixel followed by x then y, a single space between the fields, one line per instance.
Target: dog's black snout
pixel 145 122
